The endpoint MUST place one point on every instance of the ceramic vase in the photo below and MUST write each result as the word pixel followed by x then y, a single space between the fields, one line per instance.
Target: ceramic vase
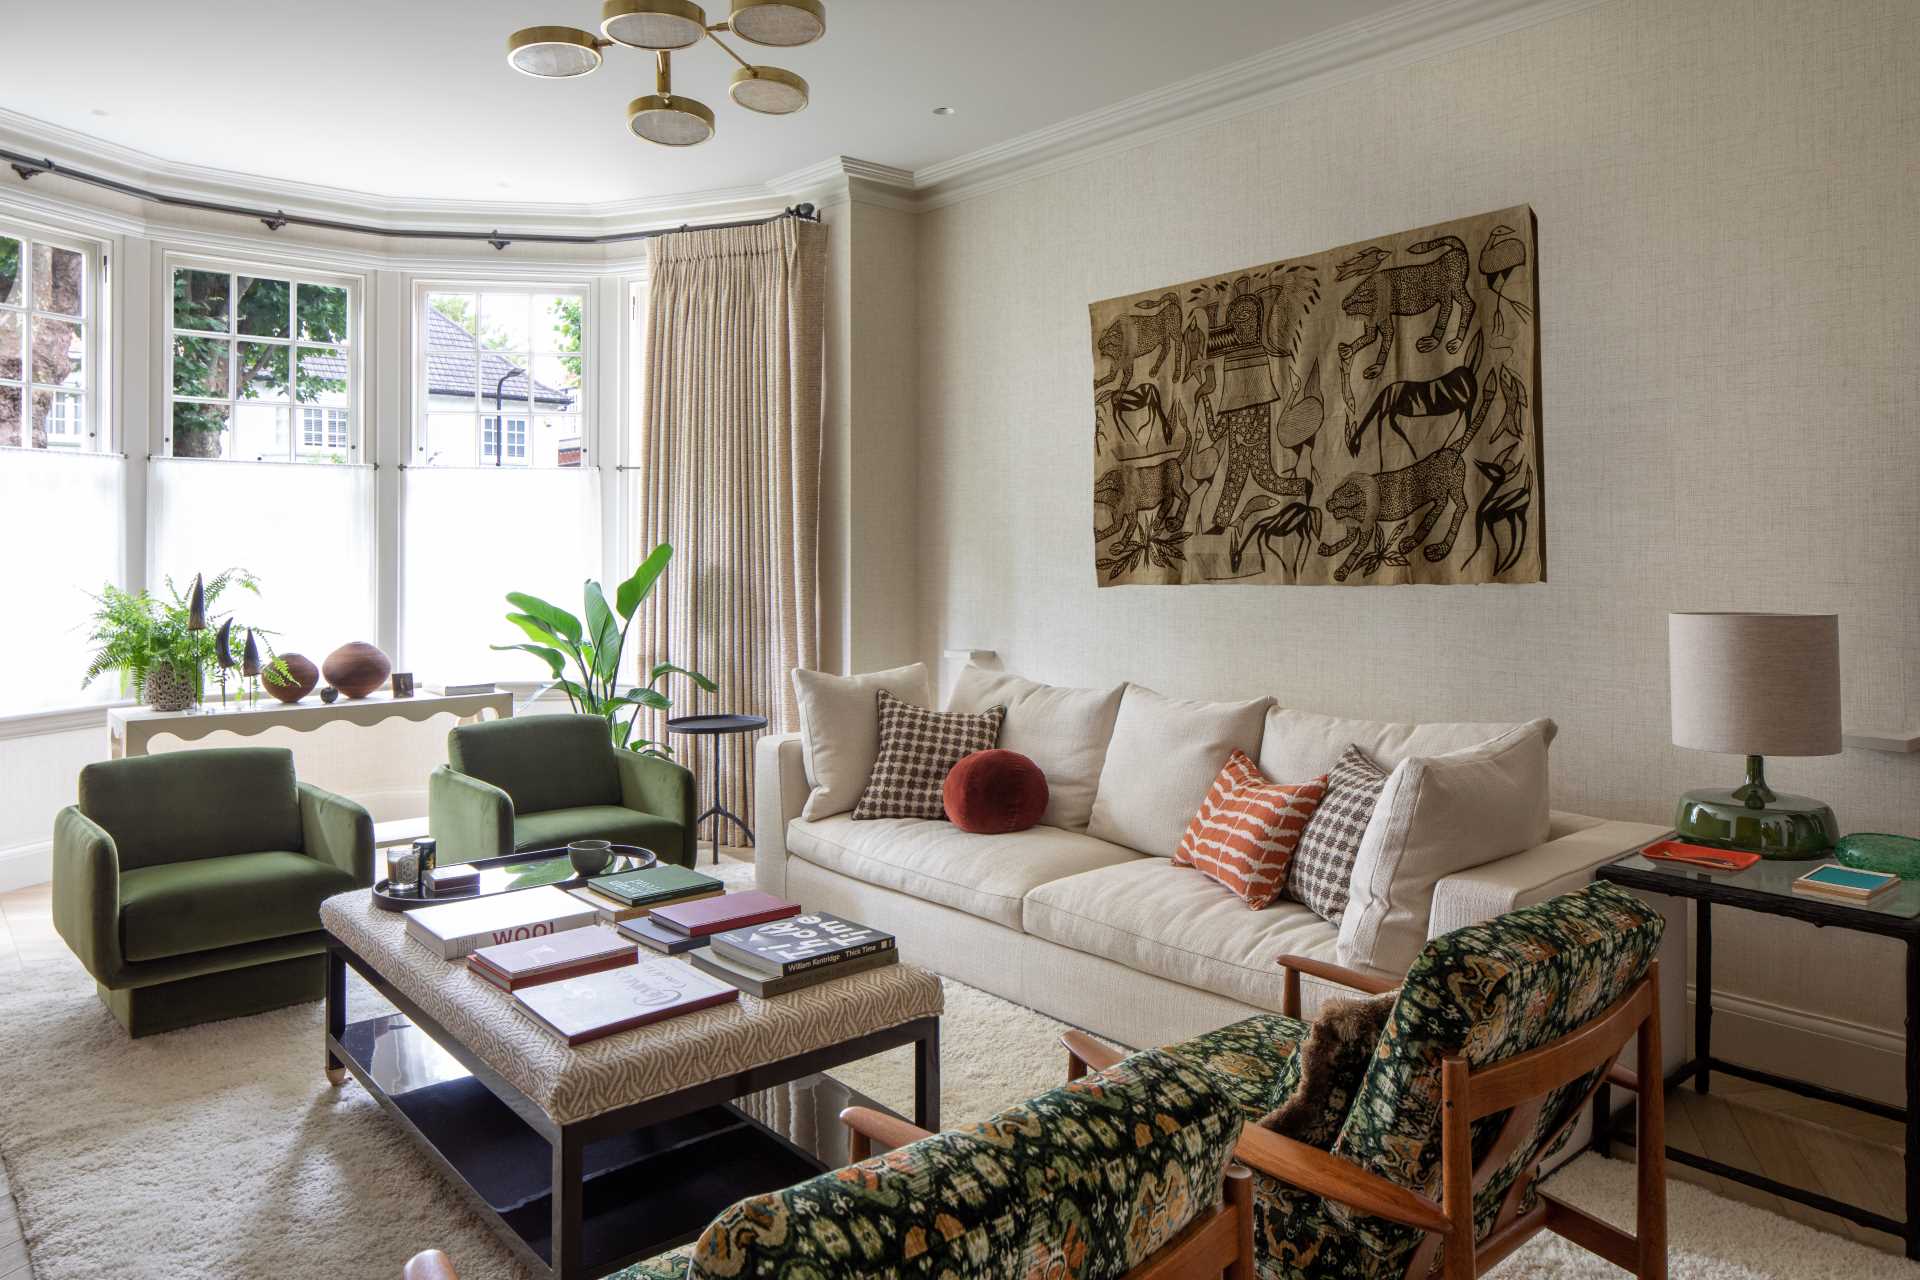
pixel 357 668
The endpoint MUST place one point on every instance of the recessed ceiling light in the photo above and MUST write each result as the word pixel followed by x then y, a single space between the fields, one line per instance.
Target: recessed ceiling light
pixel 945 111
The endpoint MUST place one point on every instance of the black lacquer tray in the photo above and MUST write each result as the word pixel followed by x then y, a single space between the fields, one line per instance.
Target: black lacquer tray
pixel 517 871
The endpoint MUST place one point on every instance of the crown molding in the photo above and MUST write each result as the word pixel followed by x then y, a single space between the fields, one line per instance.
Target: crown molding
pixel 1402 35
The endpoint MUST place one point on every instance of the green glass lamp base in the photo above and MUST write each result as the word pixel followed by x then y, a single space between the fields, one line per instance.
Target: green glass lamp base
pixel 1757 819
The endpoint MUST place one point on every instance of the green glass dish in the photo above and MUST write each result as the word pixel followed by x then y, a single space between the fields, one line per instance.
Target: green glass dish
pixel 1877 851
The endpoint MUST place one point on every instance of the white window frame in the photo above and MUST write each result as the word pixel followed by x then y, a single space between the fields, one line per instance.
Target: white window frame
pixel 89 435
pixel 351 352
pixel 484 411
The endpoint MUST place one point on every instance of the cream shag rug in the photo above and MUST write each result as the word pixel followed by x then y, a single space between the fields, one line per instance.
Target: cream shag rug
pixel 220 1151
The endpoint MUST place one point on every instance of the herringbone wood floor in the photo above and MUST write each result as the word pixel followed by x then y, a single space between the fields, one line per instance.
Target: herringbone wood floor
pixel 1851 1157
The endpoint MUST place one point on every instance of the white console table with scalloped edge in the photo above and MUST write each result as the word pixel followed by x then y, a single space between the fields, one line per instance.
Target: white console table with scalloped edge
pixel 131 729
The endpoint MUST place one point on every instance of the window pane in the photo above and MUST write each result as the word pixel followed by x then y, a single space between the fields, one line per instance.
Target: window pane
pixel 59 354
pixel 557 383
pixel 265 308
pixel 61 420
pixel 455 312
pixel 451 440
pixel 261 431
pixel 13 334
pixel 558 441
pixel 323 313
pixel 323 377
pixel 9 271
pixel 503 383
pixel 199 430
pixel 9 415
pixel 503 321
pixel 262 374
pixel 200 300
pixel 200 368
pixel 556 322
pixel 59 279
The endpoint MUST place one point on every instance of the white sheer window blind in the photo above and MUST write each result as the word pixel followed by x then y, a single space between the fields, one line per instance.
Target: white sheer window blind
pixel 60 524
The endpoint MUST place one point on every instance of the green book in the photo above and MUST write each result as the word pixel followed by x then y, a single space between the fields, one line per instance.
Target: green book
pixel 654 884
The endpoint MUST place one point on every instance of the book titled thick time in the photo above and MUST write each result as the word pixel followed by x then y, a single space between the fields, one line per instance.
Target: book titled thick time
pixel 716 915
pixel 811 940
pixel 600 1004
pixel 567 954
pixel 766 986
pixel 456 929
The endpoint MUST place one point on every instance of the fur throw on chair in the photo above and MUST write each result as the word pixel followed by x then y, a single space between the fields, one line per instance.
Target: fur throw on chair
pixel 1333 1059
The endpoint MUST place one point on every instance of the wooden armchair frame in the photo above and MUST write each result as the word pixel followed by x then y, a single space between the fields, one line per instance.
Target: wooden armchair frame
pixel 1520 1086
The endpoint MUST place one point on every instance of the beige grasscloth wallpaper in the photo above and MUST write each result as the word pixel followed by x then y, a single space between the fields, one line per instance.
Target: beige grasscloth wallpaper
pixel 1729 240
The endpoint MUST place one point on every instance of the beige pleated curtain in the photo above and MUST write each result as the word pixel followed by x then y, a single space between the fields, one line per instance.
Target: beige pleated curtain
pixel 729 474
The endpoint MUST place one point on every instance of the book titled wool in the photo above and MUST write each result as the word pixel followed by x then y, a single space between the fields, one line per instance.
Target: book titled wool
pixel 455 929
pixel 813 940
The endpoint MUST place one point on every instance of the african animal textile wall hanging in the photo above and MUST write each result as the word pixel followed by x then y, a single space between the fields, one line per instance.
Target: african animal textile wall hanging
pixel 1365 416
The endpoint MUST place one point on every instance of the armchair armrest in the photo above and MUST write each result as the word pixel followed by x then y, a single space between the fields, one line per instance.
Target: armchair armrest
pixel 470 819
pixel 1532 875
pixel 337 830
pixel 779 793
pixel 866 1127
pixel 1327 1175
pixel 656 785
pixel 86 893
pixel 1367 984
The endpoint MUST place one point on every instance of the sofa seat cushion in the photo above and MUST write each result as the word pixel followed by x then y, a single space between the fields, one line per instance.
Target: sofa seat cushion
pixel 555 827
pixel 1175 923
pixel 180 908
pixel 986 876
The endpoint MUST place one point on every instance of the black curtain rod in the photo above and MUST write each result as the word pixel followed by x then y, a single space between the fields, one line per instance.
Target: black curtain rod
pixel 28 167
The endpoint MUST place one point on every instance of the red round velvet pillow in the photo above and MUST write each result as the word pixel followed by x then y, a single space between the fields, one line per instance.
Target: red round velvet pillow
pixel 990 792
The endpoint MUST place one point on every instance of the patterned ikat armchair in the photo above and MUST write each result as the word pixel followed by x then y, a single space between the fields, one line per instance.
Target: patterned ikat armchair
pixel 1500 1034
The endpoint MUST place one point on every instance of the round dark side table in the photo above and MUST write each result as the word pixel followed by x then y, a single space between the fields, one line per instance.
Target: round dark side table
pixel 716 727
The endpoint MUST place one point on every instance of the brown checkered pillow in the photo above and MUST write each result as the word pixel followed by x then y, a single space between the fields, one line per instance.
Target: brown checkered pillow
pixel 918 748
pixel 1322 867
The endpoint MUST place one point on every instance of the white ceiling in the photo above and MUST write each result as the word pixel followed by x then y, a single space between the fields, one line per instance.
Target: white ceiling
pixel 413 99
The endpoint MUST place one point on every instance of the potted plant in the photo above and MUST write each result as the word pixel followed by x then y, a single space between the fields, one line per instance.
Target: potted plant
pixel 166 647
pixel 595 649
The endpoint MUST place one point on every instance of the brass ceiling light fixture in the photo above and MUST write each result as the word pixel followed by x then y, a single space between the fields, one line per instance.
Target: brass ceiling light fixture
pixel 663 26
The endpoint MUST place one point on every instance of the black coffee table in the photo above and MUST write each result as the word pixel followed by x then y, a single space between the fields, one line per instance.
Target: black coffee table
pixel 717 727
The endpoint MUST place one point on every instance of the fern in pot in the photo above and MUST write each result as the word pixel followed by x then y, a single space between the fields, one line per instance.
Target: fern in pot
pixel 166 647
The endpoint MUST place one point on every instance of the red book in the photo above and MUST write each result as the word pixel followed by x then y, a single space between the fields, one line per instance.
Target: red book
pixel 600 1004
pixel 531 961
pixel 730 911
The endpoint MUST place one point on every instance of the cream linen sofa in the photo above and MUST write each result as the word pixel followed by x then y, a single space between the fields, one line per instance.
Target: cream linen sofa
pixel 1110 938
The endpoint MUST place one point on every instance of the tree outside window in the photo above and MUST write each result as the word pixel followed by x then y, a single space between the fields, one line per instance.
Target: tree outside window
pixel 44 311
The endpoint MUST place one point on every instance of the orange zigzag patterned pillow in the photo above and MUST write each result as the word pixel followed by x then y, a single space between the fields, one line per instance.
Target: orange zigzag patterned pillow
pixel 1247 829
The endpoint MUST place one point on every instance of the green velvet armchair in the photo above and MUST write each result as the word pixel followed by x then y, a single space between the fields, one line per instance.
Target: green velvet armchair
pixel 537 782
pixel 189 883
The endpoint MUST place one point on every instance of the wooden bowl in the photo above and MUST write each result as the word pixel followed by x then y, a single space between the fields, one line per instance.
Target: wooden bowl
pixel 357 668
pixel 304 677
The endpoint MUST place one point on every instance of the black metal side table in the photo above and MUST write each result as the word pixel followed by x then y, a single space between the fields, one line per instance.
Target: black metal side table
pixel 717 727
pixel 1767 887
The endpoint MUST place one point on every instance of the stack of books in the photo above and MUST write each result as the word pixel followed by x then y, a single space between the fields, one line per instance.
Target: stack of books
pixel 795 952
pixel 684 926
pixel 456 929
pixel 583 1009
pixel 635 894
pixel 572 954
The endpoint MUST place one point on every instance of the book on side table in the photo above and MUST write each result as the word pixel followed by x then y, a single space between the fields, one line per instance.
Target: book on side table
pixel 571 954
pixel 1845 884
pixel 600 1004
pixel 455 929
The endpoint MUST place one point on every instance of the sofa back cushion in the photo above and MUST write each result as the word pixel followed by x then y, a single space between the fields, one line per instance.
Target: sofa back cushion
pixel 1489 991
pixel 1437 816
pixel 182 805
pixel 542 762
pixel 840 730
pixel 1164 754
pixel 1303 744
pixel 1088 1181
pixel 1064 731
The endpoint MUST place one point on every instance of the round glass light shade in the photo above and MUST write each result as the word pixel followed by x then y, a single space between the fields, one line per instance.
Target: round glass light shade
pixel 654 24
pixel 768 90
pixel 670 120
pixel 779 23
pixel 553 53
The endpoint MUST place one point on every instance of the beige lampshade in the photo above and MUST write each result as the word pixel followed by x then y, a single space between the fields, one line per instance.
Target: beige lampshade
pixel 1755 684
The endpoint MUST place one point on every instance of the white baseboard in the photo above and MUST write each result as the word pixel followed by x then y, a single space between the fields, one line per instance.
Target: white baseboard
pixel 25 866
pixel 1851 1056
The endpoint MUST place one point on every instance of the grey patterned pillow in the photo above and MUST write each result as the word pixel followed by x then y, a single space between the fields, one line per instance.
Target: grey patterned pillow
pixel 1322 867
pixel 918 748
